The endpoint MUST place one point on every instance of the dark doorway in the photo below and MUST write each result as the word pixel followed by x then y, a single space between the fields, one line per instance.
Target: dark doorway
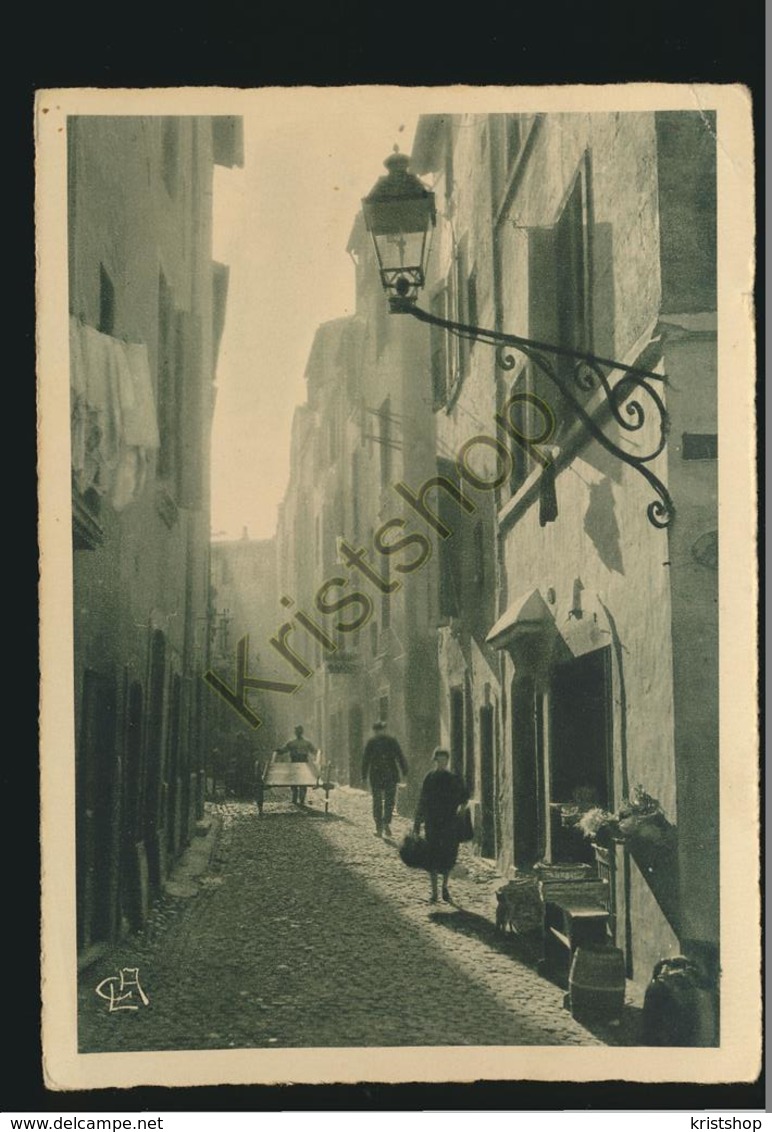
pixel 333 755
pixel 487 773
pixel 174 784
pixel 132 813
pixel 132 848
pixel 528 777
pixel 580 744
pixel 189 760
pixel 95 785
pixel 153 756
pixel 470 769
pixel 355 744
pixel 457 730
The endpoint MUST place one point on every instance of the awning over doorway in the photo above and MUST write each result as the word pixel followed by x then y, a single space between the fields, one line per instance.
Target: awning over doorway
pixel 528 615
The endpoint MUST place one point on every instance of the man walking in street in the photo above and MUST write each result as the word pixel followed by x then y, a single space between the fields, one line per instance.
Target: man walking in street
pixel 258 774
pixel 301 750
pixel 382 763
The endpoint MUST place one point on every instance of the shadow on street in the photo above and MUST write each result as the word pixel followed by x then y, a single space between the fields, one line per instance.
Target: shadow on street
pixel 300 812
pixel 526 948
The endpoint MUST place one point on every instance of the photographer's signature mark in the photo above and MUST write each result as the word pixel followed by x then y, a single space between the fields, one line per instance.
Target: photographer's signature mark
pixel 118 990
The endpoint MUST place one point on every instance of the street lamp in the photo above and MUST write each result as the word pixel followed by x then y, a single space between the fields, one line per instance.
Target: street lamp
pixel 400 215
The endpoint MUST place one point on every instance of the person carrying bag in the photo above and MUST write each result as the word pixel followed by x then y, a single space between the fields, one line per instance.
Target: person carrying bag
pixel 441 810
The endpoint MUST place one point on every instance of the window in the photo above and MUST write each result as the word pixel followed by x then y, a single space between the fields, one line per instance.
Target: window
pixel 355 489
pixel 381 323
pixel 439 349
pixel 559 295
pixel 571 273
pixel 456 299
pixel 512 138
pixel 457 730
pixel 332 437
pixel 449 550
pixel 386 442
pixel 471 300
pixel 527 421
pixel 479 555
pixel 447 563
pixel 386 597
pixel 449 182
pixel 462 305
pixel 106 302
pixel 383 707
pixel 508 133
pixel 167 398
pixel 699 446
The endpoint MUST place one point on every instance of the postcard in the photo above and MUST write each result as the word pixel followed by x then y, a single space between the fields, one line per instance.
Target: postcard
pixel 398 614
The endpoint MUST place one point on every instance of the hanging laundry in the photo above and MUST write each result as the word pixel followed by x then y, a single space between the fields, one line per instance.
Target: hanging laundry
pixel 140 424
pixel 127 479
pixel 103 396
pixel 139 427
pixel 88 400
pixel 78 403
pixel 113 414
pixel 123 482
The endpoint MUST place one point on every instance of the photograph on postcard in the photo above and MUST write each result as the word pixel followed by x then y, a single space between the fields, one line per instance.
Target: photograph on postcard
pixel 394 664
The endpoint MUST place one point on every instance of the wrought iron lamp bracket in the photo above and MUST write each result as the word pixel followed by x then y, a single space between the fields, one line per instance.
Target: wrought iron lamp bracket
pixel 625 398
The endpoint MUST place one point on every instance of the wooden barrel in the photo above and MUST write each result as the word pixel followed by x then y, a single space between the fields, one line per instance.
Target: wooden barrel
pixel 596 983
pixel 677 1011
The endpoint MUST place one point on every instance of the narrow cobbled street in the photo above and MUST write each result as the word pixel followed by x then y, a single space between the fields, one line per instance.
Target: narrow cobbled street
pixel 306 930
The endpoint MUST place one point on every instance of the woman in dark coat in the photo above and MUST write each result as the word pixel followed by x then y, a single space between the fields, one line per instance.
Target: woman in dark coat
pixel 443 797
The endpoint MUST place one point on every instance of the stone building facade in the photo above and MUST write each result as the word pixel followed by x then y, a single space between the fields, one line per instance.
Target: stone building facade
pixel 472 565
pixel 370 653
pixel 243 605
pixel 147 308
pixel 580 231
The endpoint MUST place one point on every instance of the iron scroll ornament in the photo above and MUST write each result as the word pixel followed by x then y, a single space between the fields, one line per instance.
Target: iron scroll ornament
pixel 590 372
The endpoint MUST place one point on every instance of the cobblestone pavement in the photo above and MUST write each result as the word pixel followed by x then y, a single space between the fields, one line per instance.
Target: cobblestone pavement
pixel 309 931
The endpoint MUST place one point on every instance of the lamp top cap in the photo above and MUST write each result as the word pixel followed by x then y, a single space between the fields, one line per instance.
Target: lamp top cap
pixel 399 185
pixel 397 162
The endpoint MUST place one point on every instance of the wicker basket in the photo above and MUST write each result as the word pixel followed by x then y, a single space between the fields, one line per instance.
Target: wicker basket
pixel 567 871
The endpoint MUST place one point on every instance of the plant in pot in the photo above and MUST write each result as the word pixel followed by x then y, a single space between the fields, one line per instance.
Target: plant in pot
pixel 641 819
pixel 599 826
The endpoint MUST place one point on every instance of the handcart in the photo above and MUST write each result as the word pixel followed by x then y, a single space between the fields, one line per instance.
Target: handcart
pixel 282 773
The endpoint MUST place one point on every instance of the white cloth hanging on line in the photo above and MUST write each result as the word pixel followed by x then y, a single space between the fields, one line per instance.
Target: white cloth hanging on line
pixel 113 414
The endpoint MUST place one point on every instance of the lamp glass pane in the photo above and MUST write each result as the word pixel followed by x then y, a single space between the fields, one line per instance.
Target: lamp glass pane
pixel 400 249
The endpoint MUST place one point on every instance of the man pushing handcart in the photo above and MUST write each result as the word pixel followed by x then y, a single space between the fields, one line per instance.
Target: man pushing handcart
pixel 303 770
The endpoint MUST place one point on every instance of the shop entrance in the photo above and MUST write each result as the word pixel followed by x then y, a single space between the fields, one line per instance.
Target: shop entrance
pixel 580 745
pixel 488 783
pixel 528 776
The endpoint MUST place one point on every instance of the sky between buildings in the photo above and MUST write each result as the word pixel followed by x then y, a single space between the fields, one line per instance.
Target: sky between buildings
pixel 282 224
